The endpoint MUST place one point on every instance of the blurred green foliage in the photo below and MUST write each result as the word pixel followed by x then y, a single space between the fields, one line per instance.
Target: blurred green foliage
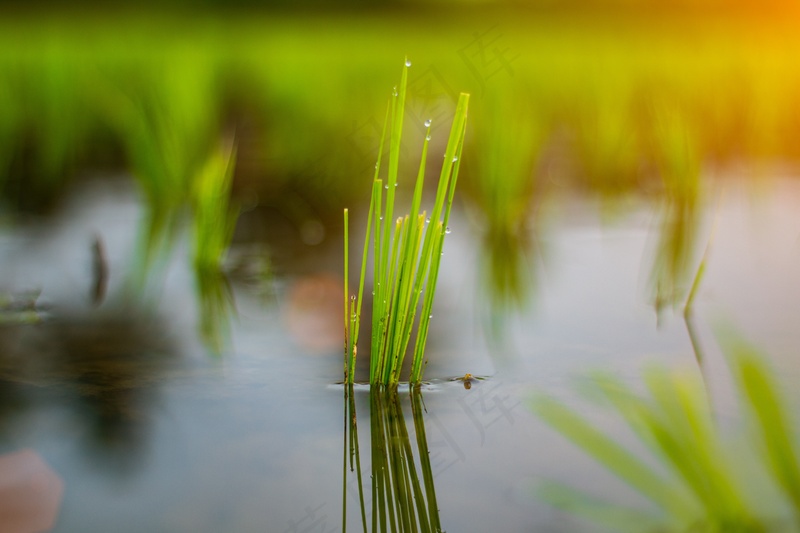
pixel 703 477
pixel 78 91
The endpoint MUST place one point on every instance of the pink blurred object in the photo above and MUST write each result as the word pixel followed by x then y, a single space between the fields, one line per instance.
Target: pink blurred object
pixel 313 313
pixel 30 493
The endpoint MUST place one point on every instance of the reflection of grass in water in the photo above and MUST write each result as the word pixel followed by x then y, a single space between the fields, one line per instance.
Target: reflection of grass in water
pixel 216 304
pixel 106 367
pixel 403 495
pixel 214 223
pixel 705 487
pixel 678 164
pixel 165 118
pixel 503 187
pixel 407 253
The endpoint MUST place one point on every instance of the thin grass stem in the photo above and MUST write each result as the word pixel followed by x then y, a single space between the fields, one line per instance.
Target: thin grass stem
pixel 346 299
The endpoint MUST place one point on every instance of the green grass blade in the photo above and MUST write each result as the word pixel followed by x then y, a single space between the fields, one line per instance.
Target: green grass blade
pixel 393 359
pixel 427 306
pixel 346 301
pixel 461 111
pixel 598 512
pixel 662 433
pixel 397 111
pixel 772 421
pixel 354 452
pixel 347 417
pixel 378 321
pixel 614 457
pixel 425 461
pixel 692 446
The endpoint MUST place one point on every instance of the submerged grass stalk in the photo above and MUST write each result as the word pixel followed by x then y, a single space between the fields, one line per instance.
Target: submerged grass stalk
pixel 406 251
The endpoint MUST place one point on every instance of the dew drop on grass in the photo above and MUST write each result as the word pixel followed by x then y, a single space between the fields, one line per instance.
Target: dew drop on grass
pixel 386 186
pixel 448 230
pixel 428 123
pixel 428 137
pixel 394 91
pixel 408 62
pixel 455 158
pixel 352 297
pixel 428 220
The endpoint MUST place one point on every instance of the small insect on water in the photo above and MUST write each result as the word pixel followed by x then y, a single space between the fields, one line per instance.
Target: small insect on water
pixel 468 379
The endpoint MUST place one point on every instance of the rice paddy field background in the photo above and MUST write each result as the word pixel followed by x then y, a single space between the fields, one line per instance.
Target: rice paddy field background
pixel 611 342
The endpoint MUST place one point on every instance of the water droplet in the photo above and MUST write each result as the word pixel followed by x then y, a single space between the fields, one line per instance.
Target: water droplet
pixel 396 184
pixel 373 293
pixel 447 230
pixel 386 186
pixel 428 137
pixel 408 62
pixel 394 91
pixel 381 218
pixel 353 298
pixel 430 316
pixel 428 123
pixel 376 166
pixel 428 220
pixel 455 158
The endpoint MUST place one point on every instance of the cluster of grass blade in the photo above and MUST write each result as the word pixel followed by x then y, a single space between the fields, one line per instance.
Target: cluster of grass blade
pixel 214 217
pixel 702 485
pixel 403 494
pixel 406 252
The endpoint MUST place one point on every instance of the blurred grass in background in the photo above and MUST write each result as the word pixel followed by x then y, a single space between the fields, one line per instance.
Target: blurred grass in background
pixel 80 93
pixel 609 98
